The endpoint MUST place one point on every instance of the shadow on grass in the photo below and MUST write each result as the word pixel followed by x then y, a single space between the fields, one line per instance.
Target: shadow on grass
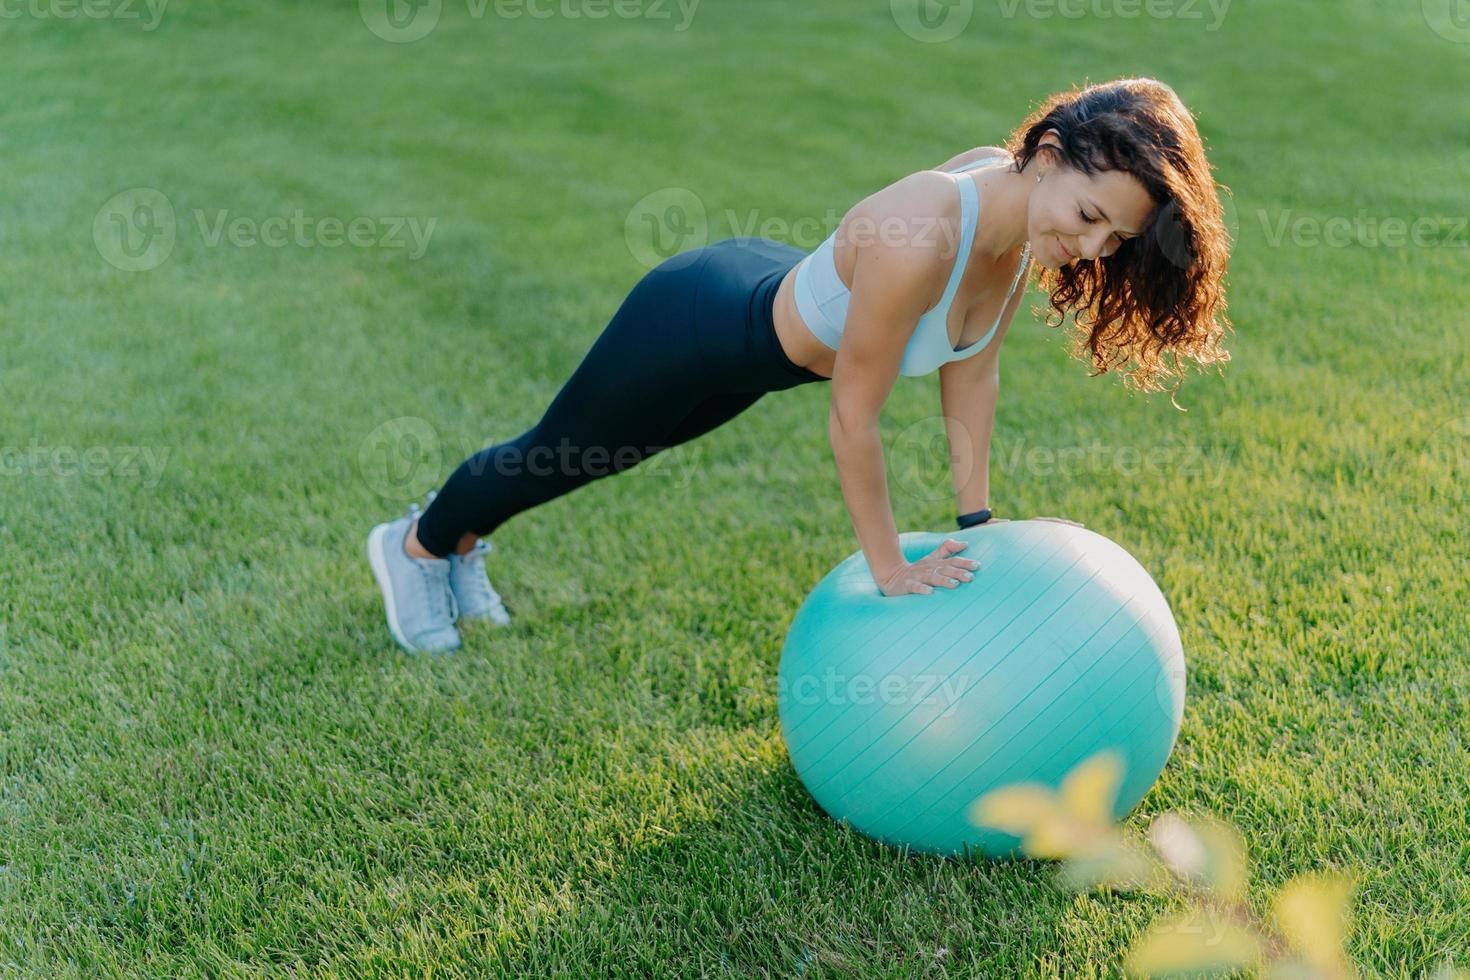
pixel 770 886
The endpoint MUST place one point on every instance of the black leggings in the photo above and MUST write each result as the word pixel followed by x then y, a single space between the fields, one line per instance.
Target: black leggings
pixel 692 346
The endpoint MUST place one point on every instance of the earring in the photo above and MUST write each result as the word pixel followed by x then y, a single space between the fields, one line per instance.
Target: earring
pixel 1038 178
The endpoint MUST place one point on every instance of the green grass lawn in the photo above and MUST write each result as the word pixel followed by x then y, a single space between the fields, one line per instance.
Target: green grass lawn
pixel 215 762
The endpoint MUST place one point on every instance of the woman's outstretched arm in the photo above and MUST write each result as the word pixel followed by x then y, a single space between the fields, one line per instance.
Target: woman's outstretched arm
pixel 969 421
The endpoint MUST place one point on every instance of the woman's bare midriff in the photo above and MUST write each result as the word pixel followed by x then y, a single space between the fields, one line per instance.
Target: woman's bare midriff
pixel 799 343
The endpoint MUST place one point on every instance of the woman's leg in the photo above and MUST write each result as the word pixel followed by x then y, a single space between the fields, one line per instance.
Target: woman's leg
pixel 691 347
pixel 711 414
pixel 641 377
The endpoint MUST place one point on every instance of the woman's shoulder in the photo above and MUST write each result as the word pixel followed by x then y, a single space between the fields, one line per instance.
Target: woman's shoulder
pixel 927 192
pixel 923 192
pixel 915 220
pixel 974 155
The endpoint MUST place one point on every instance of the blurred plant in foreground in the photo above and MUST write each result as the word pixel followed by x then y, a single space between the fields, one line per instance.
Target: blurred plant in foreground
pixel 1201 859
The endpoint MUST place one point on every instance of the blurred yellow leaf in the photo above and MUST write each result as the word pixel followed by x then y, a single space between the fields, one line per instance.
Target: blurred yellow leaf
pixel 1202 849
pixel 1312 913
pixel 1122 866
pixel 1056 837
pixel 1225 862
pixel 1074 821
pixel 1178 845
pixel 1200 941
pixel 1089 791
pixel 1014 809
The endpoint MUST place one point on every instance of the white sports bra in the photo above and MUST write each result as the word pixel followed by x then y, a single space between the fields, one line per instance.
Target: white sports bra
pixel 822 298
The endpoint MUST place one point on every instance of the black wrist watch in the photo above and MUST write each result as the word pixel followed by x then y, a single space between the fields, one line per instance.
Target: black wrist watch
pixel 971 519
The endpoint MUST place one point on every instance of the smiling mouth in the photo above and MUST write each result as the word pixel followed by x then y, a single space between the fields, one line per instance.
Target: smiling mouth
pixel 1065 254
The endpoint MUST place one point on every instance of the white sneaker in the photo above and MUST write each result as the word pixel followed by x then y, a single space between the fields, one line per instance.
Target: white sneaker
pixel 474 597
pixel 416 594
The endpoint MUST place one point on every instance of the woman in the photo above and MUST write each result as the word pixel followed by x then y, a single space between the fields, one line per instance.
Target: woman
pixel 1107 189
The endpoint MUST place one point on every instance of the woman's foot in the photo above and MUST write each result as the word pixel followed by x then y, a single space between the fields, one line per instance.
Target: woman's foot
pixel 473 594
pixel 417 598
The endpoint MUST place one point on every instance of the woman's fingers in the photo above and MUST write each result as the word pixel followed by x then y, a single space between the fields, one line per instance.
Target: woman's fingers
pixel 946 551
pixel 942 568
pixel 960 572
pixel 951 578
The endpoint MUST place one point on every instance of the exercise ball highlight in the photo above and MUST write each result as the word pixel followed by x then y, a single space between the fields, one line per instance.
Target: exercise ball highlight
pixel 899 711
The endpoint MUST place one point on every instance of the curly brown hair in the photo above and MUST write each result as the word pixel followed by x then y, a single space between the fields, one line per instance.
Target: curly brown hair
pixel 1160 297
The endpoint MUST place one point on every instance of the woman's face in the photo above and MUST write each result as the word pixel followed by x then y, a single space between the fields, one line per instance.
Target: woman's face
pixel 1073 217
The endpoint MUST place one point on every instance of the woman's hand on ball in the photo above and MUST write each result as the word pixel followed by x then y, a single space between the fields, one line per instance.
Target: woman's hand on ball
pixel 938 568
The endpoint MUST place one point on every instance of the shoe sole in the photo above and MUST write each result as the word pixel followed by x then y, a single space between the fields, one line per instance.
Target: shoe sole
pixel 378 558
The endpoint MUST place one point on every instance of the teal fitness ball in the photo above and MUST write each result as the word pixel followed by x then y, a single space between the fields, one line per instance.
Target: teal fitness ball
pixel 899 711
